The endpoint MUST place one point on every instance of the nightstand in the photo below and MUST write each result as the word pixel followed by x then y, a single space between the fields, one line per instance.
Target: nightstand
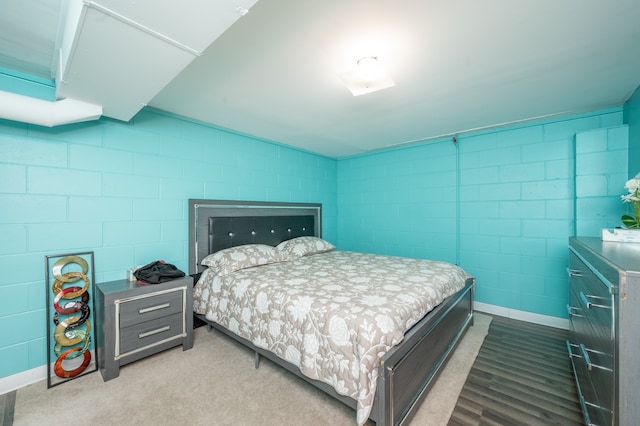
pixel 137 320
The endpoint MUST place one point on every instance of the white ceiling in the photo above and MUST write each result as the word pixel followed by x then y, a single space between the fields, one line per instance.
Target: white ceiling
pixel 458 65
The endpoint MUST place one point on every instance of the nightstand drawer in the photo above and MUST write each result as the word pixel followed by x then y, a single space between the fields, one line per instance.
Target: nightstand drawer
pixel 148 308
pixel 148 333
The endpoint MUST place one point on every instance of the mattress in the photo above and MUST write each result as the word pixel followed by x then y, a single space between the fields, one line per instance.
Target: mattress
pixel 333 314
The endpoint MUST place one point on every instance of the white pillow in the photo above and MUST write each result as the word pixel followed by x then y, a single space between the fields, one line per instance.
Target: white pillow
pixel 303 246
pixel 233 259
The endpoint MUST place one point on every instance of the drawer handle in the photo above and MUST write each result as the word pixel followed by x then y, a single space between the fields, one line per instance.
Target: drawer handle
pixel 587 359
pixel 154 308
pixel 574 272
pixel 584 404
pixel 589 304
pixel 571 313
pixel 152 332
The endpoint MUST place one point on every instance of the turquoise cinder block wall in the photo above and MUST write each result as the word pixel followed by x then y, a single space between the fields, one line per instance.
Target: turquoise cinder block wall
pixel 632 118
pixel 601 171
pixel 400 202
pixel 500 203
pixel 121 190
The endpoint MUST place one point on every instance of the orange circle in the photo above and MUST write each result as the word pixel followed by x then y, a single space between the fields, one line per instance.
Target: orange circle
pixel 65 374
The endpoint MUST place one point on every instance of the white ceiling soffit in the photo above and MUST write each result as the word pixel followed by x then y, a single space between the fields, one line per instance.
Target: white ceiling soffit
pixel 120 54
pixel 45 113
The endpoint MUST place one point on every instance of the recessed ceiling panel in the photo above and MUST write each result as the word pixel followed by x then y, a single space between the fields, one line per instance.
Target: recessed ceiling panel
pixel 120 62
pixel 118 66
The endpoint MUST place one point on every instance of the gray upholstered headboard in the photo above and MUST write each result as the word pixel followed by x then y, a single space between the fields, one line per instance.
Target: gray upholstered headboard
pixel 218 224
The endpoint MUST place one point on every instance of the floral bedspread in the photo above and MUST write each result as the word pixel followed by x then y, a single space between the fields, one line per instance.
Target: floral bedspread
pixel 331 314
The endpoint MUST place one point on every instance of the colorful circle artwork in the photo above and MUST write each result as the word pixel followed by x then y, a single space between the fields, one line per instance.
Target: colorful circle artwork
pixel 72 327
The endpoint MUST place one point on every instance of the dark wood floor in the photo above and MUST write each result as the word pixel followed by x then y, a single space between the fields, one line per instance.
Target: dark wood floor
pixel 521 376
pixel 7 404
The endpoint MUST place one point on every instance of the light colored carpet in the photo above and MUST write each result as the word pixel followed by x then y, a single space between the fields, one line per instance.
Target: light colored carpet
pixel 215 383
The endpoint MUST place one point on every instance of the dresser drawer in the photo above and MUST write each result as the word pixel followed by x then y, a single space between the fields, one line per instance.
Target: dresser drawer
pixel 610 271
pixel 151 332
pixel 589 399
pixel 590 297
pixel 590 326
pixel 593 385
pixel 150 307
pixel 593 362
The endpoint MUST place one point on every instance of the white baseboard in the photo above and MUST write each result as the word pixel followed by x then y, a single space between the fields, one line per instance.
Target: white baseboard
pixel 522 315
pixel 25 378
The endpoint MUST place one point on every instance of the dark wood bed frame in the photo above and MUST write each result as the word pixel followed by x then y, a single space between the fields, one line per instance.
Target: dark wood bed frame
pixel 406 373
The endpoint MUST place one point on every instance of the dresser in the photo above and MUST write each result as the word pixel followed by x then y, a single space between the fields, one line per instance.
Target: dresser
pixel 137 320
pixel 604 335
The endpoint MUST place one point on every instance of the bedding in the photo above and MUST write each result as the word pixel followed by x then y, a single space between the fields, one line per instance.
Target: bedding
pixel 333 314
pixel 303 246
pixel 232 259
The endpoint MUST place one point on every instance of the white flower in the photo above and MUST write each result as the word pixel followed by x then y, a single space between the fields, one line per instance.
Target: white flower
pixel 392 287
pixel 216 285
pixel 262 303
pixel 385 323
pixel 311 344
pixel 355 369
pixel 238 256
pixel 234 326
pixel 292 355
pixel 246 315
pixel 241 287
pixel 633 197
pixel 339 331
pixel 274 328
pixel 338 385
pixel 633 185
pixel 300 307
pixel 260 342
pixel 373 300
pixel 222 305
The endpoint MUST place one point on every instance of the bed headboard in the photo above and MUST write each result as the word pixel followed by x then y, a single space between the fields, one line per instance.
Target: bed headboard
pixel 218 224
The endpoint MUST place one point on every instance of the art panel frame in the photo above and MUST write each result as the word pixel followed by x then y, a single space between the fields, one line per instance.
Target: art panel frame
pixel 71 331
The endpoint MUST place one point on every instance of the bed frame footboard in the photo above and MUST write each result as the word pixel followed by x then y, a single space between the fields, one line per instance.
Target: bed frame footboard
pixel 408 371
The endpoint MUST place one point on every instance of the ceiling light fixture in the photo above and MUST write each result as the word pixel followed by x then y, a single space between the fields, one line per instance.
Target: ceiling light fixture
pixel 369 68
pixel 368 75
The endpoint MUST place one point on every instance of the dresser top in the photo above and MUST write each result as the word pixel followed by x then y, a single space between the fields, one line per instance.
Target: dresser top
pixel 625 256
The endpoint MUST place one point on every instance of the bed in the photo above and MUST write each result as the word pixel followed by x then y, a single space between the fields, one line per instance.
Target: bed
pixel 384 375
